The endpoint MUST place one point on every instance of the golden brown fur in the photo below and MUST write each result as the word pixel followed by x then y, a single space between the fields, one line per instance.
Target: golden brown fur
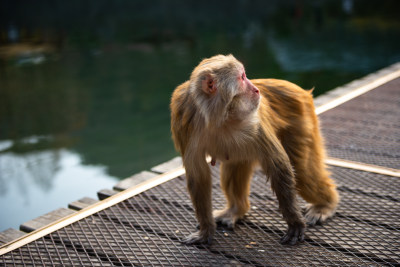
pixel 239 122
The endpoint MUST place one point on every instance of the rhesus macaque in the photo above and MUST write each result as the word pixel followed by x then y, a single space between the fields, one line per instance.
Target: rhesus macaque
pixel 220 113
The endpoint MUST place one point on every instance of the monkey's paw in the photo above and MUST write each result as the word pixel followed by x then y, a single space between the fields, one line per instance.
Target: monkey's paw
pixel 316 214
pixel 226 218
pixel 199 237
pixel 294 234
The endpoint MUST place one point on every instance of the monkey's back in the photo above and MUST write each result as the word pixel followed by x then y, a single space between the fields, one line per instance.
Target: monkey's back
pixel 287 102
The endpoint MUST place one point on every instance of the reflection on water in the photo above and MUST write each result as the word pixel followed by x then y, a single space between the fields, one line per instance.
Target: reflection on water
pixel 307 55
pixel 37 182
pixel 85 86
pixel 36 167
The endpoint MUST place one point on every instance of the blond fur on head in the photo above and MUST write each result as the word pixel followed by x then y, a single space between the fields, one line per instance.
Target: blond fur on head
pixel 213 108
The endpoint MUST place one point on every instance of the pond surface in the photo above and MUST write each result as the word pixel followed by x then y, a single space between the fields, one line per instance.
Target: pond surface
pixel 85 86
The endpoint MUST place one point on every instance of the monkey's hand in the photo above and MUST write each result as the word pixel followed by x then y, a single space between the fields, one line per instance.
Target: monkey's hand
pixel 294 234
pixel 200 237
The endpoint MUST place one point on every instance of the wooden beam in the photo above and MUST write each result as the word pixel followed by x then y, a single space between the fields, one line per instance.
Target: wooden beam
pixel 45 219
pixel 101 205
pixel 362 167
pixel 134 180
pixel 82 203
pixel 357 92
pixel 9 235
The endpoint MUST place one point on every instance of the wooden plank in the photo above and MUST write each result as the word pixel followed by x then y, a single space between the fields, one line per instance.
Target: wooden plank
pixel 45 219
pixel 99 206
pixel 82 203
pixel 168 166
pixel 134 180
pixel 354 85
pixel 105 193
pixel 357 91
pixel 362 166
pixel 9 235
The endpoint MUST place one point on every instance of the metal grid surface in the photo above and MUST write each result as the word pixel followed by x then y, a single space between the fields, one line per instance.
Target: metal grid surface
pixel 367 128
pixel 146 229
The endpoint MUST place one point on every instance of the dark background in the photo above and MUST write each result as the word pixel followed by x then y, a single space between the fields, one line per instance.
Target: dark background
pixel 95 77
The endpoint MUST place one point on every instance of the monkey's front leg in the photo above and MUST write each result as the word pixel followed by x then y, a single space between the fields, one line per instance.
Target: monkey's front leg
pixel 199 185
pixel 283 184
pixel 276 165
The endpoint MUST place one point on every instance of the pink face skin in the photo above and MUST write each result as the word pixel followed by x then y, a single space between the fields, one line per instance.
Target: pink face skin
pixel 248 86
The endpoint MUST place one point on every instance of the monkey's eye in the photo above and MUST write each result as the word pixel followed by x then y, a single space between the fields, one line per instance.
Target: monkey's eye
pixel 243 76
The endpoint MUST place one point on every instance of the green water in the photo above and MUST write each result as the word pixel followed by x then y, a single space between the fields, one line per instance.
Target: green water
pixel 85 86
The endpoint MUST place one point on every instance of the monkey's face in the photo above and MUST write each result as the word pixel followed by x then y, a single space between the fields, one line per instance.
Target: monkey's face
pixel 221 90
pixel 246 99
pixel 247 88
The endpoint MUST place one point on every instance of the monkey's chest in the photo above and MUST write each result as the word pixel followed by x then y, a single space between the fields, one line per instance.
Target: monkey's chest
pixel 231 149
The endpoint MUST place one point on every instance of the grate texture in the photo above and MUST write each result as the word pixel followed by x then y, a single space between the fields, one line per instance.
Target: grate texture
pixel 367 128
pixel 146 229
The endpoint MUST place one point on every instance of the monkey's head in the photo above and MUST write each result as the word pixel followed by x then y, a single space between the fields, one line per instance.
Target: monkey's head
pixel 222 91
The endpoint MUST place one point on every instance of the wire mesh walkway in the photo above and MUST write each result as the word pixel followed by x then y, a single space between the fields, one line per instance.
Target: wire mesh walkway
pixel 146 229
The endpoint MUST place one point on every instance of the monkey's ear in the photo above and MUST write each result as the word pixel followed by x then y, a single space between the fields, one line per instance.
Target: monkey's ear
pixel 208 84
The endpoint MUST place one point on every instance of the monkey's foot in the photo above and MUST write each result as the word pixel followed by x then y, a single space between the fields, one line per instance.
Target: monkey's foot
pixel 294 234
pixel 315 214
pixel 199 237
pixel 226 218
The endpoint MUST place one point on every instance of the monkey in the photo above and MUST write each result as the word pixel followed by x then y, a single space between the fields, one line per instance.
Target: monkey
pixel 242 123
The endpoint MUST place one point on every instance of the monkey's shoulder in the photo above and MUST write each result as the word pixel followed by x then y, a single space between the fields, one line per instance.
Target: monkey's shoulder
pixel 180 93
pixel 284 95
pixel 275 88
pixel 183 111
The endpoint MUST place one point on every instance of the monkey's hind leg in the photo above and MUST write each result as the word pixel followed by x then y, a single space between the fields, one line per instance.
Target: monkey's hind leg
pixel 235 183
pixel 306 152
pixel 319 191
